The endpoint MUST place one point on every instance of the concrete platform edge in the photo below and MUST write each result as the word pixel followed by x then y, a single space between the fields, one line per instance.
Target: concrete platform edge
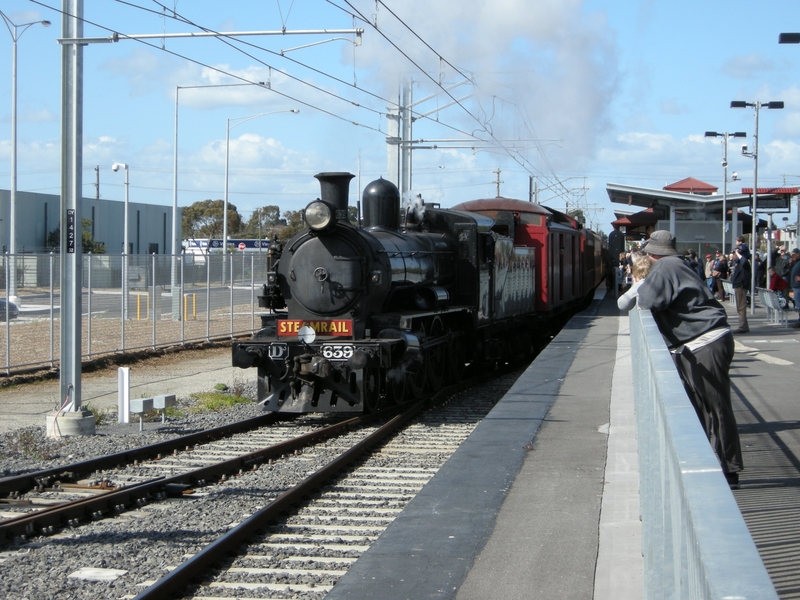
pixel 428 551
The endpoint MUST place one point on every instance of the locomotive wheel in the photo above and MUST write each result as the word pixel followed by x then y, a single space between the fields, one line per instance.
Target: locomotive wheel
pixel 457 357
pixel 396 389
pixel 372 389
pixel 436 357
pixel 415 381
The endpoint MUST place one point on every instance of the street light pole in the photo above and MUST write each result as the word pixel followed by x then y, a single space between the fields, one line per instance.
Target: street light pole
pixel 754 154
pixel 176 224
pixel 725 136
pixel 227 162
pixel 125 247
pixel 16 32
pixel 793 38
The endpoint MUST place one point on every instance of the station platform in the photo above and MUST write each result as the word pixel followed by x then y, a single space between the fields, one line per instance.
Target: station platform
pixel 542 500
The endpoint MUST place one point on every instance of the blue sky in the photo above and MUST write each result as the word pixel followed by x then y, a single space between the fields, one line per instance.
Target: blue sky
pixel 578 94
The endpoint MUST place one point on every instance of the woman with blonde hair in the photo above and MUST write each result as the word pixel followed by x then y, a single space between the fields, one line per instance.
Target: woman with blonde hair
pixel 639 270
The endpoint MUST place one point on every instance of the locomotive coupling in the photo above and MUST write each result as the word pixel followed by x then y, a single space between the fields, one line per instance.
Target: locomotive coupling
pixel 313 365
pixel 244 356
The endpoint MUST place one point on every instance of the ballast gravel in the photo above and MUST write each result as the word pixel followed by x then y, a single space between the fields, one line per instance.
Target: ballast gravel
pixel 121 555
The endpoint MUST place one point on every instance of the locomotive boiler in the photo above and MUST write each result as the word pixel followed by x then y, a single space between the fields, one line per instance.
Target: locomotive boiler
pixel 374 314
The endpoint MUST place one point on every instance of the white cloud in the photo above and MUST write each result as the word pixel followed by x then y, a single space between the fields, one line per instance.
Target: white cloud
pixel 747 67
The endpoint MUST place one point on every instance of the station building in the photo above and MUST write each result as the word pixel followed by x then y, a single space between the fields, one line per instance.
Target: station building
pixel 149 225
pixel 693 211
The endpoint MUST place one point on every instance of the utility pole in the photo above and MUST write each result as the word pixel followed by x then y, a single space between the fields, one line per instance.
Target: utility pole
pixel 497 181
pixel 72 43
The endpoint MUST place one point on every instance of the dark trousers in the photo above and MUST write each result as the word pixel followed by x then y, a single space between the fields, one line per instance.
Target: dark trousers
pixel 706 379
pixel 741 307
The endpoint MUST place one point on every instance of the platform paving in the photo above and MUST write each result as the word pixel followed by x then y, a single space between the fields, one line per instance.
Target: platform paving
pixel 542 500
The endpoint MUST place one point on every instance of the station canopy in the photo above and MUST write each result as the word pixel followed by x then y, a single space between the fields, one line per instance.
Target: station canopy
pixel 689 196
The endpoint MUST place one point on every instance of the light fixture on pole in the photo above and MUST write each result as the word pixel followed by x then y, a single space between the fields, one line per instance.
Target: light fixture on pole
pixel 227 162
pixel 754 155
pixel 725 136
pixel 793 38
pixel 16 32
pixel 125 247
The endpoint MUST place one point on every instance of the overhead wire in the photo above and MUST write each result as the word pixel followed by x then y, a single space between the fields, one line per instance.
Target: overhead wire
pixel 522 161
pixel 229 41
pixel 239 77
pixel 519 160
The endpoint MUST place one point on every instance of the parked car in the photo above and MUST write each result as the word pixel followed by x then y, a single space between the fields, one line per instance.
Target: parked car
pixel 8 310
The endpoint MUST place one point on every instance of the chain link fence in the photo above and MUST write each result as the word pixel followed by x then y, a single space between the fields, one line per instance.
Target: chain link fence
pixel 129 303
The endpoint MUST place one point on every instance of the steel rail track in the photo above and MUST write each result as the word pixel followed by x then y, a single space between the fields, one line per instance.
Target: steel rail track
pixel 49 520
pixel 20 484
pixel 175 582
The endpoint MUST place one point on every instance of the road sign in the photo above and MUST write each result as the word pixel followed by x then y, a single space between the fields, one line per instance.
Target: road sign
pixel 241 246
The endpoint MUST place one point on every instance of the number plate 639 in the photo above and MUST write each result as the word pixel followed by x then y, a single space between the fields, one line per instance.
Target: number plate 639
pixel 337 351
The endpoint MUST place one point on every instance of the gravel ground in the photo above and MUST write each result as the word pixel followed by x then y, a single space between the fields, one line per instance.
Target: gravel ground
pixel 23 409
pixel 25 402
pixel 143 544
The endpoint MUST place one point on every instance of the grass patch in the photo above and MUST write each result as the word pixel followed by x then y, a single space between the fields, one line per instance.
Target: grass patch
pixel 100 416
pixel 215 401
pixel 174 412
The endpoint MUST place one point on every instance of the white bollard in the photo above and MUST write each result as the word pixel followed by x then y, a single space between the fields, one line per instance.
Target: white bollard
pixel 123 394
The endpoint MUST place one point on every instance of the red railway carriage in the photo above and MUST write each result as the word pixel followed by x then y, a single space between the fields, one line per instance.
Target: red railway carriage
pixel 569 254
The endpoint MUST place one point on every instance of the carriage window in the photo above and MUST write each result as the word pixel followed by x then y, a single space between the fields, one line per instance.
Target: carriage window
pixel 531 219
pixel 487 248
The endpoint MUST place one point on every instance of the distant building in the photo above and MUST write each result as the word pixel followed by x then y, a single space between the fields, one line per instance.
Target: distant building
pixel 692 210
pixel 149 225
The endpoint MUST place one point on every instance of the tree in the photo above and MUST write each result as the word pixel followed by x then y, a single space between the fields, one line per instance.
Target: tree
pixel 264 221
pixel 294 223
pixel 204 219
pixel 89 245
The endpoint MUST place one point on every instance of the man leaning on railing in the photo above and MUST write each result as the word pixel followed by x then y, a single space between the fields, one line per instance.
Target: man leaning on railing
pixel 695 327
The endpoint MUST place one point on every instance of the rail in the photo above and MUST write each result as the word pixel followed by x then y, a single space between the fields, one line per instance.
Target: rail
pixel 133 303
pixel 694 539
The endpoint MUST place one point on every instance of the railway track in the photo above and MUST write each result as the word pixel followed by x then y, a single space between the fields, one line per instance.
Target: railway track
pixel 170 543
pixel 44 501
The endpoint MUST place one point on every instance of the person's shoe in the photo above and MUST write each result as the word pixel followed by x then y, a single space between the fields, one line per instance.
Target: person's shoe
pixel 733 480
pixel 741 331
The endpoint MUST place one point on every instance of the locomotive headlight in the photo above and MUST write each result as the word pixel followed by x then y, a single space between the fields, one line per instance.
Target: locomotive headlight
pixel 319 216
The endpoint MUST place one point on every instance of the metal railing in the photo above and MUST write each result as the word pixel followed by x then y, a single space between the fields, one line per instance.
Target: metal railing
pixel 694 539
pixel 129 304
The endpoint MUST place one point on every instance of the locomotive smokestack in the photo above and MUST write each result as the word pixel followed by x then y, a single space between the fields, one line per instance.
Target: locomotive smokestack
pixel 334 189
pixel 381 201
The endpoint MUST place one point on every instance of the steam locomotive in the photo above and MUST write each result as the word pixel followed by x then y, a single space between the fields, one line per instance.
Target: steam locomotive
pixel 369 315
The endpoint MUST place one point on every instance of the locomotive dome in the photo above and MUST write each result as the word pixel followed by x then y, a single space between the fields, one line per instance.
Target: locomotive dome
pixel 381 202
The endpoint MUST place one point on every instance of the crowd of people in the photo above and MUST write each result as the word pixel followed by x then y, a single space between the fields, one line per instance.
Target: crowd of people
pixel 679 292
pixel 684 296
pixel 783 277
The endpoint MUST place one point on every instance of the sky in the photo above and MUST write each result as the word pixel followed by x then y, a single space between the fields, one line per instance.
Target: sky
pixel 576 94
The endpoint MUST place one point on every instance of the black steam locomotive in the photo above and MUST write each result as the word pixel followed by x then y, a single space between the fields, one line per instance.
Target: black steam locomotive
pixel 371 315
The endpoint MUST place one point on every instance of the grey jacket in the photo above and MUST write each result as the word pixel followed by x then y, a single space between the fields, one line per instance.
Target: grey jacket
pixel 682 305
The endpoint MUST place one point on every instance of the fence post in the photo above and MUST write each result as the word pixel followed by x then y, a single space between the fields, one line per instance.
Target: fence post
pixel 52 313
pixel 155 299
pixel 208 297
pixel 183 315
pixel 252 293
pixel 8 321
pixel 123 307
pixel 89 309
pixel 231 295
